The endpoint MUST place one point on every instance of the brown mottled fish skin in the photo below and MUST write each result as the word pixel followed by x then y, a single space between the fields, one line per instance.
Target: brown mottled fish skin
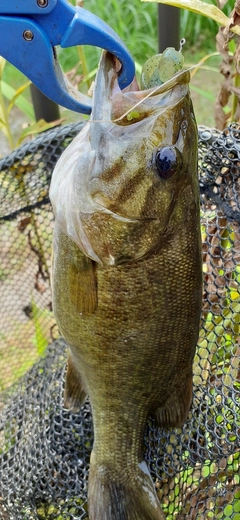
pixel 127 280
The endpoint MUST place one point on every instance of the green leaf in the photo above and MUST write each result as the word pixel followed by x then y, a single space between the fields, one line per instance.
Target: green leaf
pixel 200 64
pixel 40 339
pixel 18 93
pixel 36 128
pixel 21 102
pixel 89 76
pixel 138 67
pixel 199 7
pixel 3 128
pixel 228 509
pixel 205 470
pixel 2 65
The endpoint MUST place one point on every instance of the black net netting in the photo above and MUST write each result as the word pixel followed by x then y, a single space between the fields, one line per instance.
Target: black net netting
pixel 45 449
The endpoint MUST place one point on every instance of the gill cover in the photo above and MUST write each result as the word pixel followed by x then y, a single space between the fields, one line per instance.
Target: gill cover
pixel 105 190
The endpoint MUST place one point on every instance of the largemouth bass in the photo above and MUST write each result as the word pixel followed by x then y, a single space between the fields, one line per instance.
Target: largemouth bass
pixel 127 280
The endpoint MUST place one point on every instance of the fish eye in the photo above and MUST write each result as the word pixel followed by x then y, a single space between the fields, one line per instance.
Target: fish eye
pixel 168 160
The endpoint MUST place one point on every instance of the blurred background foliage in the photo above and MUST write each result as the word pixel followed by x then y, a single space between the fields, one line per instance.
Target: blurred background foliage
pixel 138 29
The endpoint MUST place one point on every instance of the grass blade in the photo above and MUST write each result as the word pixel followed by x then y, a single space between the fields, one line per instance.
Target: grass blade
pixel 21 102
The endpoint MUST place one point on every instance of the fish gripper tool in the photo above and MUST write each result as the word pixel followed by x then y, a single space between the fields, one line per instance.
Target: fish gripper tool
pixel 31 29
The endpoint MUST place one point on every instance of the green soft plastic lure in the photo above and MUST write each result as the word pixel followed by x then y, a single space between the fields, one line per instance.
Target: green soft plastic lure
pixel 161 67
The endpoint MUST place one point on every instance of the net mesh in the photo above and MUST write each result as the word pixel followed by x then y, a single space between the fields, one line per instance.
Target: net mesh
pixel 45 449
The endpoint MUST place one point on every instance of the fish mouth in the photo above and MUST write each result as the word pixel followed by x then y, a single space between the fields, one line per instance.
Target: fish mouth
pixel 106 86
pixel 112 104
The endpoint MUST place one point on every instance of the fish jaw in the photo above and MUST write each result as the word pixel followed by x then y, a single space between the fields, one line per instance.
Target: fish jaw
pixel 105 87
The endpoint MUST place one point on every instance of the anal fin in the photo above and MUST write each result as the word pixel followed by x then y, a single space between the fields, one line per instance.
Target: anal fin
pixel 174 412
pixel 74 393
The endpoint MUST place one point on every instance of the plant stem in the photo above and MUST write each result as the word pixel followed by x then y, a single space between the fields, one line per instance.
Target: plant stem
pixel 84 63
pixel 235 98
pixel 6 120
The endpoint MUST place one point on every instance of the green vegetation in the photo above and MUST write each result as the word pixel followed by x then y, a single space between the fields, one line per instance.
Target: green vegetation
pixel 138 28
pixel 9 97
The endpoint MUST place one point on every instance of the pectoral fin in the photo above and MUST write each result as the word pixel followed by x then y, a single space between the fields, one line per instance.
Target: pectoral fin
pixel 74 393
pixel 83 283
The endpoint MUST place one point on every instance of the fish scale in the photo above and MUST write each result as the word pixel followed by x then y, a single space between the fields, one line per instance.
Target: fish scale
pixel 127 280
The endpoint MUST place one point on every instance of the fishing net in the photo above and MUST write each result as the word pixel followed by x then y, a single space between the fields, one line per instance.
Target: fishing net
pixel 45 449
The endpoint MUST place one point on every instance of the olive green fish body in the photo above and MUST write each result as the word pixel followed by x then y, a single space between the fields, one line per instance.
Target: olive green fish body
pixel 127 280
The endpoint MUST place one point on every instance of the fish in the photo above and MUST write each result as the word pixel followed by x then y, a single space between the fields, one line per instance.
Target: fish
pixel 127 278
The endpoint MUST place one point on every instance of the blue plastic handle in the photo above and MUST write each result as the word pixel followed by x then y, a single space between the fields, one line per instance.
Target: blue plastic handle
pixel 28 41
pixel 27 7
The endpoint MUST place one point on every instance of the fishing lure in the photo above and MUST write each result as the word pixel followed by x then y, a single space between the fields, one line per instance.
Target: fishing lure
pixel 162 67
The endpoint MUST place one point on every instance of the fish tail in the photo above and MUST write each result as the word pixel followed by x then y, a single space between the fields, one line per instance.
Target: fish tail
pixel 122 495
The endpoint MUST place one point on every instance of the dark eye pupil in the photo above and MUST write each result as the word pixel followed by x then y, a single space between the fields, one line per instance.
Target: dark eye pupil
pixel 166 161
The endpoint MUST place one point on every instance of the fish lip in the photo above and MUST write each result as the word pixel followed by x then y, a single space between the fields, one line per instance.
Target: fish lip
pixel 109 64
pixel 106 86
